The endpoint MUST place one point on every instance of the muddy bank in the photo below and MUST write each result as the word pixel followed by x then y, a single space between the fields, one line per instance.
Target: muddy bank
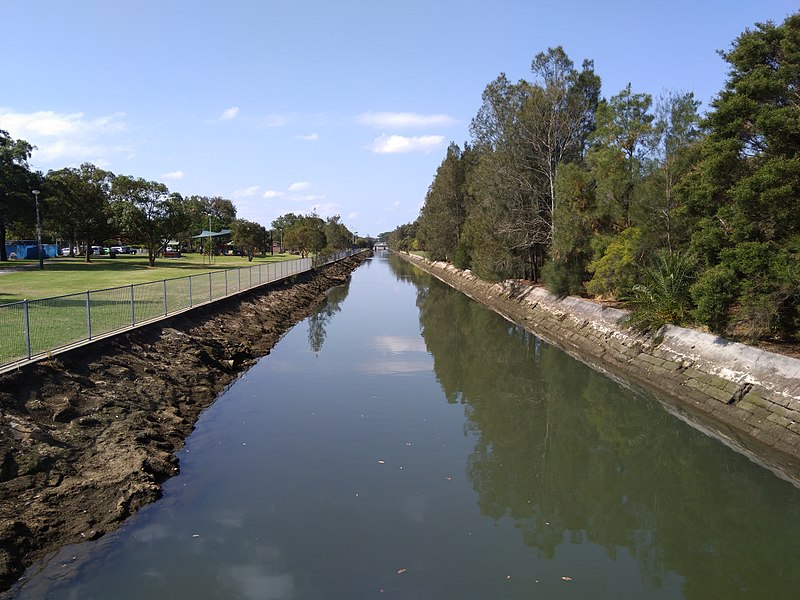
pixel 88 438
pixel 746 397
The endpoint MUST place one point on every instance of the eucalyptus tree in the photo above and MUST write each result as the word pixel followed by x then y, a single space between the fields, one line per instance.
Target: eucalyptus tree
pixel 15 184
pixel 558 117
pixel 523 133
pixel 147 212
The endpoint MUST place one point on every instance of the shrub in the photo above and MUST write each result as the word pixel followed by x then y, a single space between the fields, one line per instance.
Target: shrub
pixel 663 296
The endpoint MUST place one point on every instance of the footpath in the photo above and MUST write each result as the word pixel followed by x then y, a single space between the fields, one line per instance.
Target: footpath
pixel 746 397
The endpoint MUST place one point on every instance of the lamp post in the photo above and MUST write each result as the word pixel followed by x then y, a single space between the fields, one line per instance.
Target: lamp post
pixel 38 229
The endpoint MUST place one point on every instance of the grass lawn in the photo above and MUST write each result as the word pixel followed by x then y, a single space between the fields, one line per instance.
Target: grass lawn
pixel 64 275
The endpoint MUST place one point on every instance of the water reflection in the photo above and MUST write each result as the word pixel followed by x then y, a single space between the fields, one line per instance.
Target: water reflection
pixel 318 320
pixel 573 458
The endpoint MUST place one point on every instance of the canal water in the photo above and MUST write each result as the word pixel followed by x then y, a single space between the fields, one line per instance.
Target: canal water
pixel 405 442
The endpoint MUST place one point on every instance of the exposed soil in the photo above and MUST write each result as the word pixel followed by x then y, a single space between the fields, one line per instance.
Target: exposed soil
pixel 86 439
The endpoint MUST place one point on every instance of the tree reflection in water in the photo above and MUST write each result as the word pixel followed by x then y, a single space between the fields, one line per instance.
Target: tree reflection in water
pixel 572 457
pixel 320 319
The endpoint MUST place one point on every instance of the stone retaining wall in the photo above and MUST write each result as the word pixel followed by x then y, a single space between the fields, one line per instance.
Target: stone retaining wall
pixel 746 397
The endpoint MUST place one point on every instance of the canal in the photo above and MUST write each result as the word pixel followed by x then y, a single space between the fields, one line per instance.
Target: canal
pixel 405 442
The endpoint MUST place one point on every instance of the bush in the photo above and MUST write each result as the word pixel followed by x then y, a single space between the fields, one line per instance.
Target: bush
pixel 563 277
pixel 614 273
pixel 663 297
pixel 713 295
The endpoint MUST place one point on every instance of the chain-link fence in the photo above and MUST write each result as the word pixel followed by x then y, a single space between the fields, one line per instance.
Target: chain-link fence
pixel 34 328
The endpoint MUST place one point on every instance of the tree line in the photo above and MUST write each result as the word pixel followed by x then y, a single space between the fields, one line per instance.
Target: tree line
pixel 686 219
pixel 86 205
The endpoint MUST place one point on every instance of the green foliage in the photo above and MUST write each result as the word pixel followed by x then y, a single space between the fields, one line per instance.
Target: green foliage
pixel 663 295
pixel 442 216
pixel 713 295
pixel 147 213
pixel 306 235
pixel 615 271
pixel 564 276
pixel 249 236
pixel 16 183
pixel 744 193
pixel 337 236
pixel 463 257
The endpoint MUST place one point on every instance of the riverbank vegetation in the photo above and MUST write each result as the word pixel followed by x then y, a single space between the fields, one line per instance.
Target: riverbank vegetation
pixel 687 219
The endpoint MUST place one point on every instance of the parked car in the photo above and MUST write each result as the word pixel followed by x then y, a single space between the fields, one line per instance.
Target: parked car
pixel 123 250
pixel 65 251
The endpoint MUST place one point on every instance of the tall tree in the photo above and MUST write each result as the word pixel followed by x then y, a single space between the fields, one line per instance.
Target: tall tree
pixel 745 191
pixel 306 235
pixel 559 115
pixel 249 236
pixel 442 216
pixel 337 236
pixel 15 183
pixel 147 212
pixel 79 202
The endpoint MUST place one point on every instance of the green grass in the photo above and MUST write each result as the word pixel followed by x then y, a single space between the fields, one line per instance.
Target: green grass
pixel 66 275
pixel 130 291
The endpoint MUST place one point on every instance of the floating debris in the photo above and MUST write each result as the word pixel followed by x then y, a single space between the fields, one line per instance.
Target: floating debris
pixel 565 578
pixel 401 571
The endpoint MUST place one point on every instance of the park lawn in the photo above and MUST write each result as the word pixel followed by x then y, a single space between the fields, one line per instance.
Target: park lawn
pixel 64 275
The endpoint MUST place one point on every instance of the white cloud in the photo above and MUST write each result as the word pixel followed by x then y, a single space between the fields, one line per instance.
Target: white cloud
pixel 245 192
pixel 273 194
pixel 306 197
pixel 395 205
pixel 229 113
pixel 299 186
pixel 67 137
pixel 173 175
pixel 403 120
pixel 311 137
pixel 352 216
pixel 398 144
pixel 272 121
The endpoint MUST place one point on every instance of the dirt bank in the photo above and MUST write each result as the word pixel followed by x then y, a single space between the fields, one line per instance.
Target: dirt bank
pixel 88 438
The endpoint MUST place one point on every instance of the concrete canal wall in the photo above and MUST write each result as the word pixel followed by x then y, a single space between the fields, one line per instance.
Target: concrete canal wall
pixel 746 397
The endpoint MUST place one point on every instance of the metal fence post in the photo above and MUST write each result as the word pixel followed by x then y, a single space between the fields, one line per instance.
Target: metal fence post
pixel 88 315
pixel 165 297
pixel 210 295
pixel 239 277
pixel 133 309
pixel 27 327
pixel 190 291
pixel 226 281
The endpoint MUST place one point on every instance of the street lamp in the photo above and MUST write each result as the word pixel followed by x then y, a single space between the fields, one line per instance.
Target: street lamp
pixel 38 229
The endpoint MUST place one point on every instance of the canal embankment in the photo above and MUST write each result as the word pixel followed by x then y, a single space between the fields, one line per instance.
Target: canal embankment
pixel 746 397
pixel 88 437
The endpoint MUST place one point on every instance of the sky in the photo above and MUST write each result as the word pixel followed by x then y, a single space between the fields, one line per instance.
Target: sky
pixel 334 106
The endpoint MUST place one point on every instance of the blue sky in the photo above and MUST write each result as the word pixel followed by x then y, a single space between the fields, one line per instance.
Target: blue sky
pixel 343 107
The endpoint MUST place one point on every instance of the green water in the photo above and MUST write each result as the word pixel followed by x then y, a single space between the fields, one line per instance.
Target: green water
pixel 405 442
